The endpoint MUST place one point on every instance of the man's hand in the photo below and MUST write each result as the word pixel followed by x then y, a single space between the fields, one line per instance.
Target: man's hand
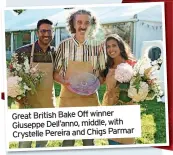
pixel 60 79
pixel 21 101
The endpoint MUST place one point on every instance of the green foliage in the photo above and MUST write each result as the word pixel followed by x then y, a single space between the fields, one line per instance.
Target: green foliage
pixel 101 91
pixel 19 11
pixel 124 86
pixel 57 87
pixel 136 83
pixel 151 95
pixel 28 81
pixel 10 101
pixel 124 97
pixel 123 92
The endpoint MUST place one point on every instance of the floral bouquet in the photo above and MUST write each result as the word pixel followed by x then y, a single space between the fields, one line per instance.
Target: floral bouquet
pixel 138 83
pixel 145 85
pixel 123 74
pixel 21 79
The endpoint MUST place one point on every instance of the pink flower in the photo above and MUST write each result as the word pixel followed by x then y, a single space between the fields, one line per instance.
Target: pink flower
pixel 13 86
pixel 131 62
pixel 123 72
pixel 11 67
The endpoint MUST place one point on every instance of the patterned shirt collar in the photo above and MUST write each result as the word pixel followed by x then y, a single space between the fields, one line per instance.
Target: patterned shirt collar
pixel 38 48
pixel 78 43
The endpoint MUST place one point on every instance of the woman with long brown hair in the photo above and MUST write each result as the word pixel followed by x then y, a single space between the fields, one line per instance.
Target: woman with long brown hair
pixel 117 52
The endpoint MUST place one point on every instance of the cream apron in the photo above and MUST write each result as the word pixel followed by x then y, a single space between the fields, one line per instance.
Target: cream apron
pixel 43 98
pixel 111 101
pixel 70 99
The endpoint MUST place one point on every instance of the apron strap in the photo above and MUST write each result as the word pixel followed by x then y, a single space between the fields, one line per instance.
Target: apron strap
pixel 32 54
pixel 51 55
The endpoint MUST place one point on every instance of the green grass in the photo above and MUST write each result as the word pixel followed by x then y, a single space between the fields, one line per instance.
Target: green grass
pixel 152 120
pixel 58 143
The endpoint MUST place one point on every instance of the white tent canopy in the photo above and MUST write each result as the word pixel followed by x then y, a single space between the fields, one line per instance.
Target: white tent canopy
pixel 146 18
pixel 124 13
pixel 28 19
pixel 21 21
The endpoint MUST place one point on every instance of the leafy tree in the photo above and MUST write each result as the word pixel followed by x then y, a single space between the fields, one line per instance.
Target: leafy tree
pixel 19 11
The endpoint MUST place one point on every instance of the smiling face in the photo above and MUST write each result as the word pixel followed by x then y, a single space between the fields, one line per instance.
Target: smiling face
pixel 112 48
pixel 81 24
pixel 44 34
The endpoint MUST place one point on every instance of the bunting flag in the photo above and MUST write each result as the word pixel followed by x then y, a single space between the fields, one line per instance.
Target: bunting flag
pixel 151 26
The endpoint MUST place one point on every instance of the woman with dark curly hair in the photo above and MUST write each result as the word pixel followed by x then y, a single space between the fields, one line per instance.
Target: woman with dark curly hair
pixel 117 52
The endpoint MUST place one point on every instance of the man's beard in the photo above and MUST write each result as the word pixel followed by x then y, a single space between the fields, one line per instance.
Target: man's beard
pixel 47 42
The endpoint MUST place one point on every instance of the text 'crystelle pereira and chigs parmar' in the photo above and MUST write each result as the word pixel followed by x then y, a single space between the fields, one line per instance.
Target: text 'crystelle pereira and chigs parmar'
pixel 87 132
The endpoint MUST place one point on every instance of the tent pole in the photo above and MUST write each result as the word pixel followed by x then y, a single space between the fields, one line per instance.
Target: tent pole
pixel 57 36
pixel 32 36
pixel 12 42
pixel 131 35
pixel 134 39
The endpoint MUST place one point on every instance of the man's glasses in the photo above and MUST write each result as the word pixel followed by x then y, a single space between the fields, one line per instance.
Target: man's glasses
pixel 43 31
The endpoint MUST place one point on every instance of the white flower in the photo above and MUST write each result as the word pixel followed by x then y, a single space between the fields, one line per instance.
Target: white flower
pixel 123 72
pixel 159 88
pixel 18 67
pixel 26 87
pixel 142 65
pixel 19 97
pixel 161 93
pixel 160 60
pixel 19 79
pixel 34 69
pixel 154 62
pixel 153 75
pixel 141 94
pixel 14 65
pixel 26 64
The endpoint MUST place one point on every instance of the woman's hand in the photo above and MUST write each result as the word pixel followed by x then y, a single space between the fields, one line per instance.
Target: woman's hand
pixel 110 80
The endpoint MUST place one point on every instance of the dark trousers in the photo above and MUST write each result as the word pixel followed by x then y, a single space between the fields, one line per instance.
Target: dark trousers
pixel 27 144
pixel 86 142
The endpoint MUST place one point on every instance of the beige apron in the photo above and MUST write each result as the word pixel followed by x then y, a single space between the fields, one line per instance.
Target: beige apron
pixel 43 98
pixel 112 101
pixel 70 99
